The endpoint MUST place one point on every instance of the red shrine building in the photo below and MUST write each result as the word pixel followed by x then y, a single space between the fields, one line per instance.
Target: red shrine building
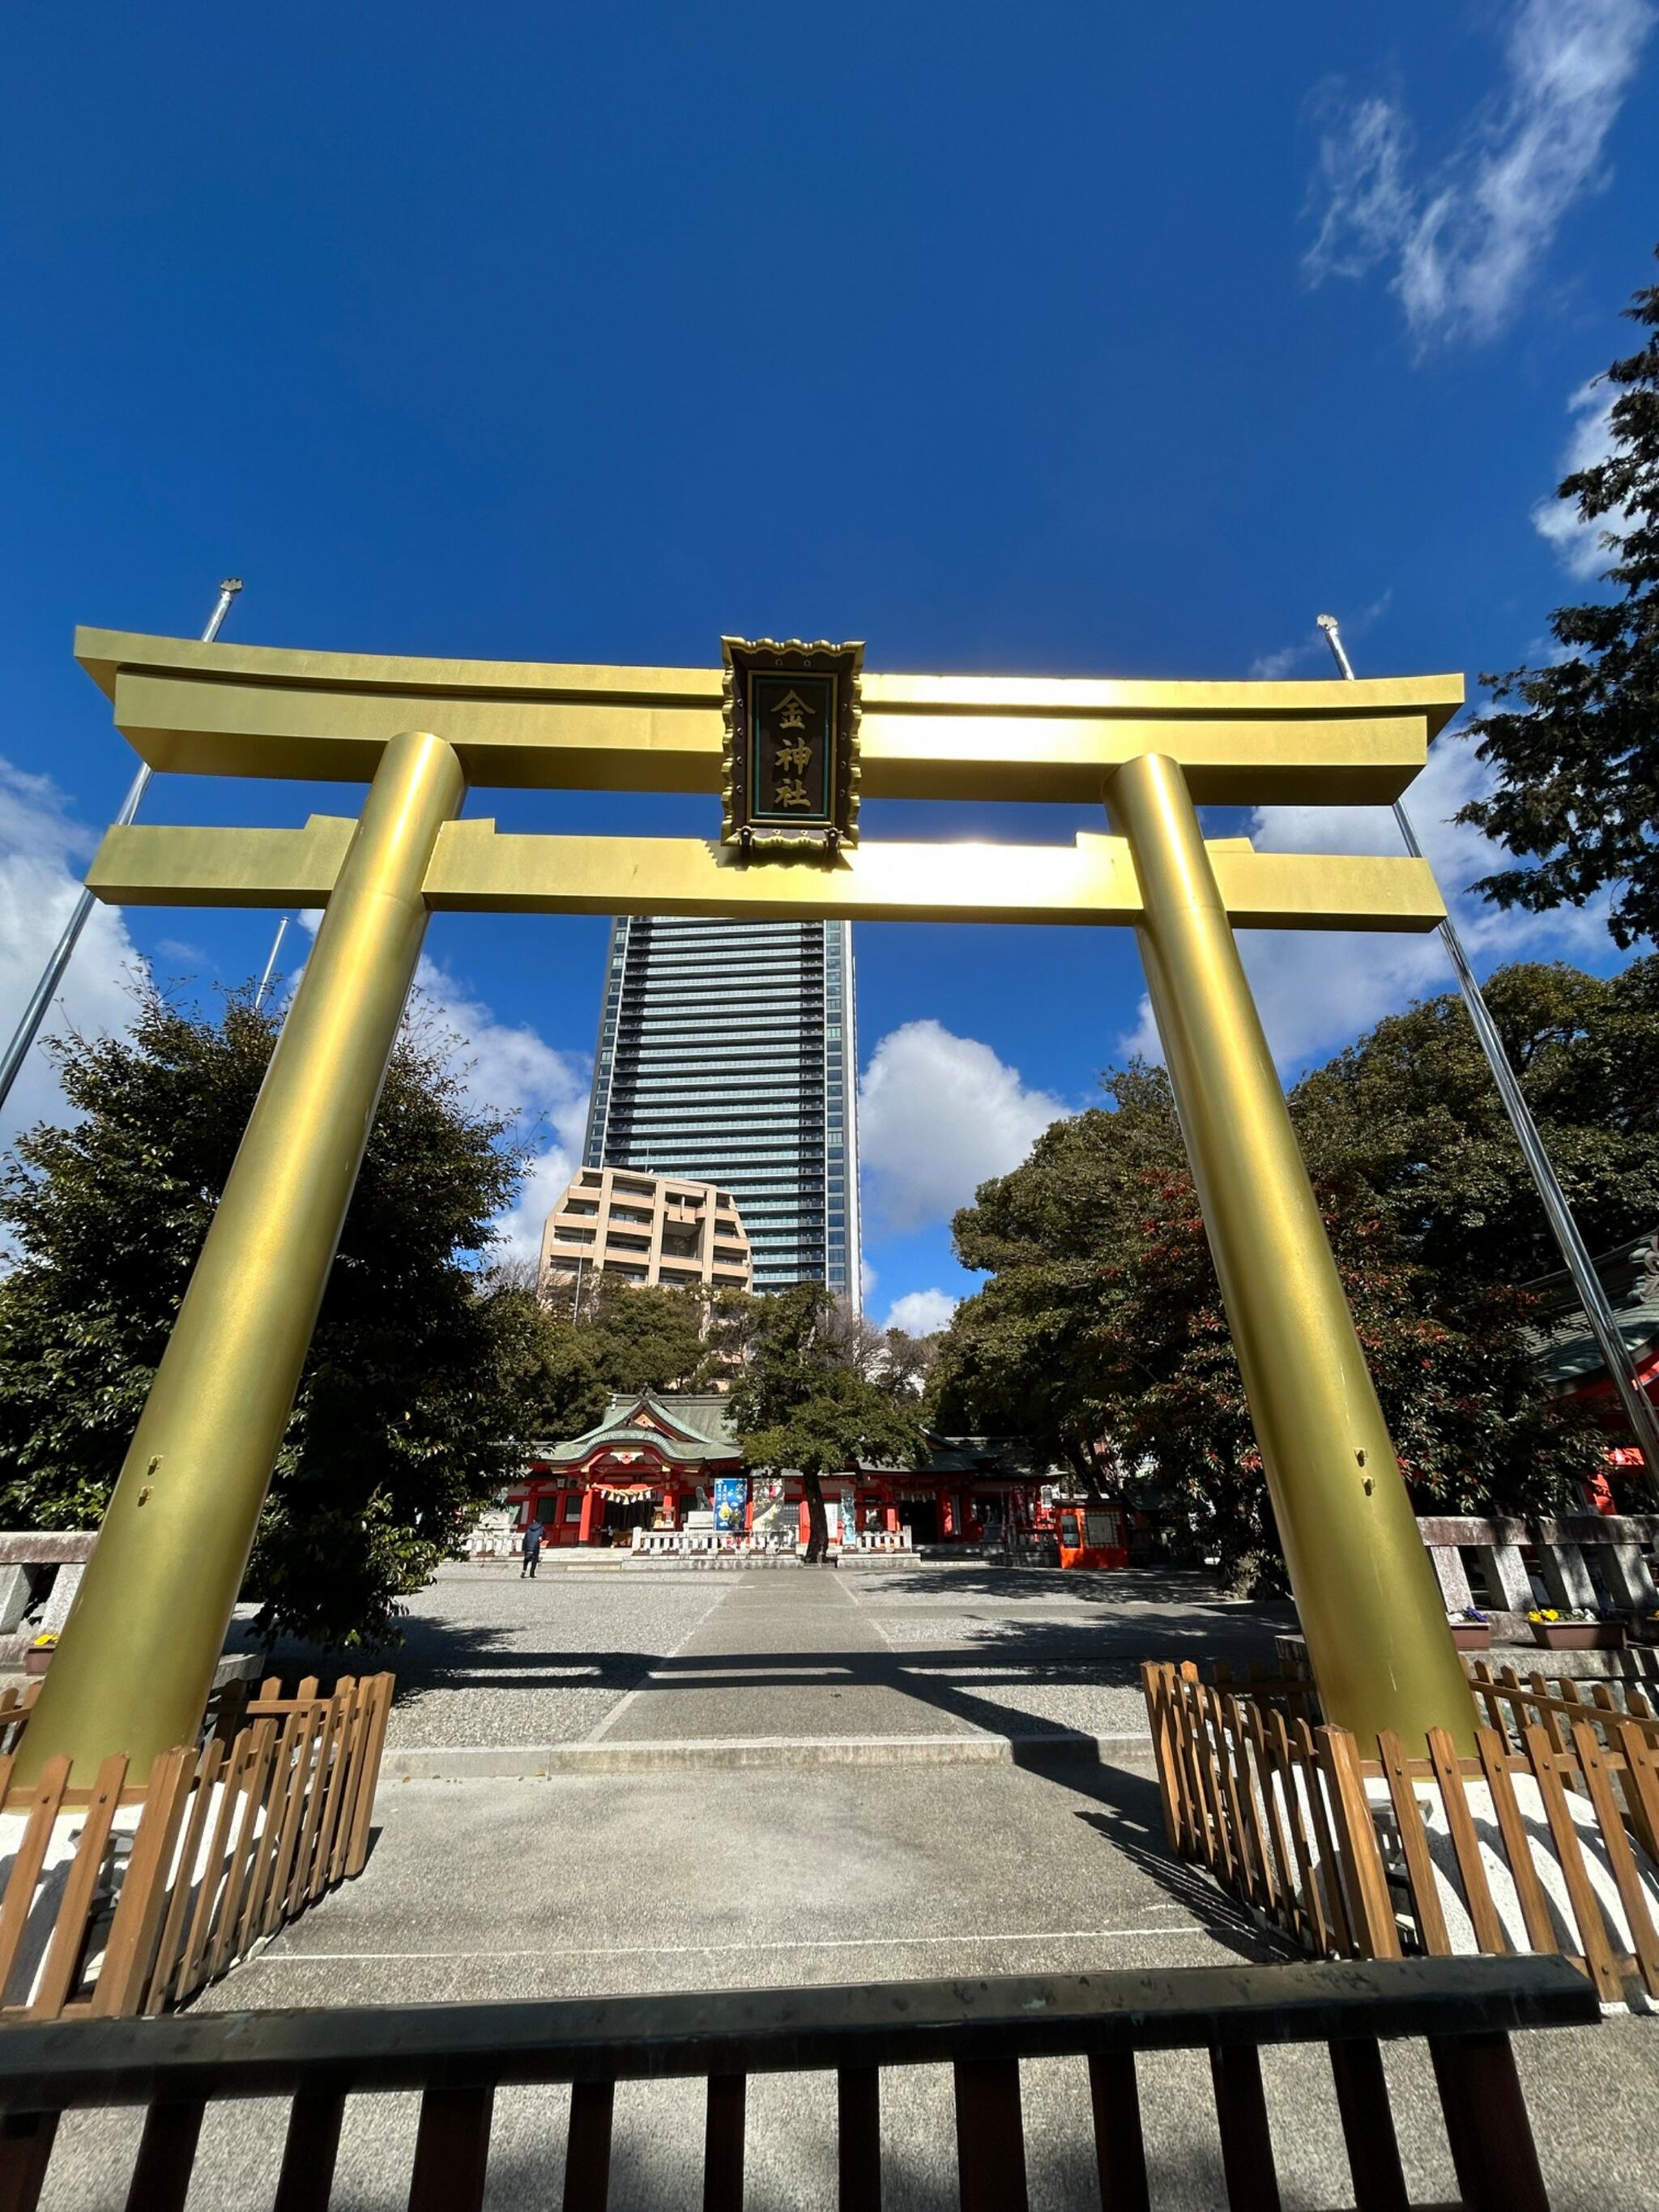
pixel 648 1463
pixel 671 1463
pixel 1568 1360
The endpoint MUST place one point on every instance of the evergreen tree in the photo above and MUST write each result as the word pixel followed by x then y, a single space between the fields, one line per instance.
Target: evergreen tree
pixel 643 1336
pixel 803 1404
pixel 423 1377
pixel 1577 751
pixel 1100 1333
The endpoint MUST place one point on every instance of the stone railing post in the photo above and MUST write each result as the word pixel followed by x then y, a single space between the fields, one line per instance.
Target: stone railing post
pixel 1505 1572
pixel 1566 1577
pixel 1624 1567
pixel 1447 1560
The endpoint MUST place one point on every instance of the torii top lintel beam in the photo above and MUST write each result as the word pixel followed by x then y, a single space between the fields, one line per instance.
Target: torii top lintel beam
pixel 260 711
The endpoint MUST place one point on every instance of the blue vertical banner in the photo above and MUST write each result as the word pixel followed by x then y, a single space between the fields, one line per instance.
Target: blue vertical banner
pixel 731 1498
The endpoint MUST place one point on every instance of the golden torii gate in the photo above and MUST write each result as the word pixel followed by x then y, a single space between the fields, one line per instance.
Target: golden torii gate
pixel 137 1659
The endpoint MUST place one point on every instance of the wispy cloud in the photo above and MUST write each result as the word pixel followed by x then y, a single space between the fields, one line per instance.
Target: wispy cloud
pixel 1312 652
pixel 1464 234
pixel 1272 667
pixel 1580 547
pixel 1368 206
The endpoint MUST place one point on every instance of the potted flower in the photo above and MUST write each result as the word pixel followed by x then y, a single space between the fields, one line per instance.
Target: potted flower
pixel 1573 1629
pixel 38 1657
pixel 1471 1629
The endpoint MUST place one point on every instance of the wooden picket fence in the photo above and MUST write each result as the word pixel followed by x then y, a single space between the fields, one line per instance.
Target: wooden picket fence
pixel 1511 1703
pixel 1284 1812
pixel 231 1839
pixel 15 1703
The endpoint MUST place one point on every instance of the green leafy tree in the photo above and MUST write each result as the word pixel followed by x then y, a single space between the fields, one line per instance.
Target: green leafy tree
pixel 1411 1111
pixel 1101 1332
pixel 1575 743
pixel 908 1360
pixel 422 1376
pixel 645 1337
pixel 729 1328
pixel 802 1403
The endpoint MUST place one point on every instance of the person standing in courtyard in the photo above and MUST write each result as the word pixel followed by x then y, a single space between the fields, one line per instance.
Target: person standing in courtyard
pixel 531 1547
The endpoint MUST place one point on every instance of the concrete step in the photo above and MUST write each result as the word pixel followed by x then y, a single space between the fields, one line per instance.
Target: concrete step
pixel 548 1762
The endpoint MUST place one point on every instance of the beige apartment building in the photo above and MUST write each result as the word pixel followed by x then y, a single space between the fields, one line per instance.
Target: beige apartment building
pixel 646 1229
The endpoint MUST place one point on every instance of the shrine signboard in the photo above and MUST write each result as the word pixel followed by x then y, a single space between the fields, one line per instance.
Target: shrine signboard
pixel 790 715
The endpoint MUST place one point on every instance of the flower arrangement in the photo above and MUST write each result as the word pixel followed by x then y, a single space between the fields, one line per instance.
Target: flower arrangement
pixel 1471 1629
pixel 1576 1628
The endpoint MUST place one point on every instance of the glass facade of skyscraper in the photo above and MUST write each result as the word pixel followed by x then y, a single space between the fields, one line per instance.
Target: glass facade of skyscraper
pixel 727 1052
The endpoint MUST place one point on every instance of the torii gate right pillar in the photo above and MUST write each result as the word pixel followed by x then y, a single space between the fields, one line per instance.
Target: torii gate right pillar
pixel 1370 1605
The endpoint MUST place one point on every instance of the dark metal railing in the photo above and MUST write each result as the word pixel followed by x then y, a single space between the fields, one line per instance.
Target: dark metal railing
pixel 458 2056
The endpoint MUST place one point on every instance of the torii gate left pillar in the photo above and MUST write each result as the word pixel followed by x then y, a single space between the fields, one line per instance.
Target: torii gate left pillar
pixel 135 1666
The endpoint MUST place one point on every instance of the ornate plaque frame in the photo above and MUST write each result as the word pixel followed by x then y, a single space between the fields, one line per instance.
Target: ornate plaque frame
pixel 790 752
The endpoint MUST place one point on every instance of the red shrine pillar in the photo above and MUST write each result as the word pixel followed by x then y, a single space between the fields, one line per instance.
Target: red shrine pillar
pixel 592 1513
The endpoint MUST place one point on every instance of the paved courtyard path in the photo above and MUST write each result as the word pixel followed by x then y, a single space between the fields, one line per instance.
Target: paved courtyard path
pixel 641 1654
pixel 703 1875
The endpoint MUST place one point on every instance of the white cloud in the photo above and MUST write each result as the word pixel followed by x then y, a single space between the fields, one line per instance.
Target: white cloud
pixel 937 1115
pixel 868 1281
pixel 1272 667
pixel 1578 545
pixel 1143 1040
pixel 510 1069
pixel 506 1067
pixel 1466 236
pixel 519 1228
pixel 43 854
pixel 1317 990
pixel 922 1312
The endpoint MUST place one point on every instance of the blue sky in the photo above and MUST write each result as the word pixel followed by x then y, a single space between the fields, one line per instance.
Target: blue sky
pixel 1062 339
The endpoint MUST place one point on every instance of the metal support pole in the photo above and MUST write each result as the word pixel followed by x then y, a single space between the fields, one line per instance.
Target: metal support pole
pixel 137 1659
pixel 53 975
pixel 1604 1327
pixel 270 964
pixel 1370 1605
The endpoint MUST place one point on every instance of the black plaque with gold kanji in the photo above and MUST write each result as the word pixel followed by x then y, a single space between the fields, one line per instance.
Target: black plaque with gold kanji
pixel 791 755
